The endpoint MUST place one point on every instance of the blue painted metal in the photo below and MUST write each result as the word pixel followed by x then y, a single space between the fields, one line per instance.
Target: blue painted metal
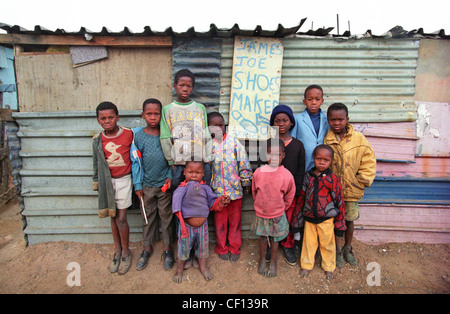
pixel 408 191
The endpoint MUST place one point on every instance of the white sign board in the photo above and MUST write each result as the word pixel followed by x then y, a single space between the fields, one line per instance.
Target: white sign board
pixel 255 85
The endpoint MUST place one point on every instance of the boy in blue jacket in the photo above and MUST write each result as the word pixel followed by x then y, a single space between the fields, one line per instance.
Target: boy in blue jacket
pixel 311 125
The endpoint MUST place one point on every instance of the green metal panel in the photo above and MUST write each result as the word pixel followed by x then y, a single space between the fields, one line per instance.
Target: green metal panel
pixel 375 78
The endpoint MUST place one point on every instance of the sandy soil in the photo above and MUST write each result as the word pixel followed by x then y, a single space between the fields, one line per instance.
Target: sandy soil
pixel 43 268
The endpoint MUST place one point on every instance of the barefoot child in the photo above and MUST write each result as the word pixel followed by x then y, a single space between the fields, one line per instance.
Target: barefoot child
pixel 273 190
pixel 294 161
pixel 150 173
pixel 191 203
pixel 321 210
pixel 232 176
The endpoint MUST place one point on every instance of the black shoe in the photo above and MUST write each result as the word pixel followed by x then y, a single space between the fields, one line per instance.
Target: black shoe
pixel 169 261
pixel 289 255
pixel 297 249
pixel 143 259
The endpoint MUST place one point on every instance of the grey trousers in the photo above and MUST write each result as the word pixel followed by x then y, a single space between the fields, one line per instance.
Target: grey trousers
pixel 158 203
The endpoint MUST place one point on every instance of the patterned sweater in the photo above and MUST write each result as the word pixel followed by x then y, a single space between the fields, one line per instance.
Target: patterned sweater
pixel 320 199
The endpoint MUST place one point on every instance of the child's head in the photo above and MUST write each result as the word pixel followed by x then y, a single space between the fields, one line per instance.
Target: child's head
pixel 313 98
pixel 337 115
pixel 151 112
pixel 323 156
pixel 184 85
pixel 194 170
pixel 282 117
pixel 275 151
pixel 107 115
pixel 216 124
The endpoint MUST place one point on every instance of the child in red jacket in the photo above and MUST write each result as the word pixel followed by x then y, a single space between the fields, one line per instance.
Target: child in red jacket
pixel 321 210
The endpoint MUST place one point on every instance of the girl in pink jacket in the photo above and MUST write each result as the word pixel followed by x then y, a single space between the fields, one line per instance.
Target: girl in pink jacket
pixel 273 189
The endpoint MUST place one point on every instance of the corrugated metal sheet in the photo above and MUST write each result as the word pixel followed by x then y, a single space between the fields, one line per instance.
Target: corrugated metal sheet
pixel 214 31
pixel 381 223
pixel 202 57
pixel 422 167
pixel 374 78
pixel 56 175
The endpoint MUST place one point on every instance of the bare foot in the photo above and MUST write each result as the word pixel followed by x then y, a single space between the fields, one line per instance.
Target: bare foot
pixel 329 274
pixel 178 277
pixel 188 263
pixel 262 267
pixel 272 271
pixel 304 273
pixel 207 274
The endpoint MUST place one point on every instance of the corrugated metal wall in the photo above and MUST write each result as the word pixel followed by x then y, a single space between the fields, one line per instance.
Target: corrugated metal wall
pixel 56 153
pixel 373 77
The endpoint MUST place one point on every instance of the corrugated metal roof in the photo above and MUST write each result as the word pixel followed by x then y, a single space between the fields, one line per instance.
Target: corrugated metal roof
pixel 214 31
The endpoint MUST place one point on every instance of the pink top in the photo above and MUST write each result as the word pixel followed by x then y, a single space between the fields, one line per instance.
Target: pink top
pixel 273 191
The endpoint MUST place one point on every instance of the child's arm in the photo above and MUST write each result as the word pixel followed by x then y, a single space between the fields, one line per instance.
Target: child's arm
pixel 95 166
pixel 245 170
pixel 290 193
pixel 177 200
pixel 166 137
pixel 368 167
pixel 297 217
pixel 136 168
pixel 339 220
pixel 300 175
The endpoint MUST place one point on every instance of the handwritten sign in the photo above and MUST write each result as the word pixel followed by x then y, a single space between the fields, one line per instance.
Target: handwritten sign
pixel 255 85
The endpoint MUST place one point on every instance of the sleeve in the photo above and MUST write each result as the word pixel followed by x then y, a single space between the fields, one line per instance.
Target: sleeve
pixel 211 196
pixel 300 175
pixel 166 136
pixel 297 216
pixel 136 165
pixel 177 198
pixel 95 166
pixel 245 170
pixel 254 182
pixel 339 221
pixel 368 167
pixel 290 191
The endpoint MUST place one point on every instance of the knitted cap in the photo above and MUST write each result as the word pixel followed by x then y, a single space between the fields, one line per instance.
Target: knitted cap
pixel 283 109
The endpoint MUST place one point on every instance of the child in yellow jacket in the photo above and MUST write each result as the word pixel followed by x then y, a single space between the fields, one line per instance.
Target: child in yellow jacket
pixel 355 164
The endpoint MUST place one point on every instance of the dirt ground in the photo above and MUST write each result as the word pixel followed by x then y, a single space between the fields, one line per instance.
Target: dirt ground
pixel 43 269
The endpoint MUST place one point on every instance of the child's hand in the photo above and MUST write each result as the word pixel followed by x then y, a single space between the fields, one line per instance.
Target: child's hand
pixel 139 194
pixel 226 200
pixel 247 190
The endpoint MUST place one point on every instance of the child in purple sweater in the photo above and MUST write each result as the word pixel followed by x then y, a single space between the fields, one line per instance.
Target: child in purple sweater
pixel 191 203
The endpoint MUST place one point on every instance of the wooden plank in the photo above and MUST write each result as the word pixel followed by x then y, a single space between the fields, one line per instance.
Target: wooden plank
pixel 80 40
pixel 129 76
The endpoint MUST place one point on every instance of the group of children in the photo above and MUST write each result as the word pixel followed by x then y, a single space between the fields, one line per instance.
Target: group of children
pixel 185 164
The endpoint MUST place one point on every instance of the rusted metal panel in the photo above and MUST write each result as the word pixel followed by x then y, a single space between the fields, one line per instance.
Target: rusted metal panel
pixel 382 223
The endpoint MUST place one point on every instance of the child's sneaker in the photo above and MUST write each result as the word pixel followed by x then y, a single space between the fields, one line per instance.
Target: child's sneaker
pixel 349 257
pixel 289 255
pixel 114 264
pixel 125 263
pixel 340 263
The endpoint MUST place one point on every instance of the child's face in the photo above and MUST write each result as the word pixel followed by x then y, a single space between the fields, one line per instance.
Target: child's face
pixel 338 121
pixel 152 115
pixel 275 156
pixel 214 125
pixel 108 119
pixel 313 100
pixel 194 171
pixel 283 122
pixel 323 159
pixel 184 88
